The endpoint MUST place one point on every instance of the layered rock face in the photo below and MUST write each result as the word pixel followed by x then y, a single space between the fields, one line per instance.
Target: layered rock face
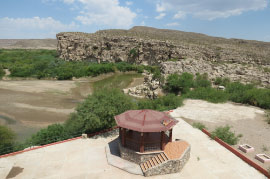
pixel 104 48
pixel 236 72
pixel 237 59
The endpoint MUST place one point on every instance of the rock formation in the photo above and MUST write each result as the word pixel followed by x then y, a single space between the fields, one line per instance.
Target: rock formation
pixel 150 88
pixel 235 71
pixel 237 59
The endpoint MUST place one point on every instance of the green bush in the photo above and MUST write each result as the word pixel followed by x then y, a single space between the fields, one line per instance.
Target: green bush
pixel 222 81
pixel 208 94
pixel 7 140
pixel 198 125
pixel 45 64
pixel 134 53
pixel 202 81
pixel 2 72
pixel 226 135
pixel 98 110
pixel 179 83
pixel 163 103
pixel 52 133
pixel 237 91
pixel 257 97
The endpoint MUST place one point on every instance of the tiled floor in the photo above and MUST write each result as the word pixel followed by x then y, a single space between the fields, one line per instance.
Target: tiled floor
pixel 175 149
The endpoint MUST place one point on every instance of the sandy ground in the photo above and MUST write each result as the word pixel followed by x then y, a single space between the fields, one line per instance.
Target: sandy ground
pixel 86 158
pixel 246 120
pixel 38 86
pixel 28 105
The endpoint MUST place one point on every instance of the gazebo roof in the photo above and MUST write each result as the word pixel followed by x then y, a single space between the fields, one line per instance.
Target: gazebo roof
pixel 145 120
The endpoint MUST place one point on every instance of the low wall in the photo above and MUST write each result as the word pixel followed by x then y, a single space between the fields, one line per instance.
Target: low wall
pixel 238 154
pixel 59 142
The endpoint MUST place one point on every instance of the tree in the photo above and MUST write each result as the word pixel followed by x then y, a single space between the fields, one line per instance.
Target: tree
pixel 179 83
pixel 98 110
pixel 52 133
pixel 7 140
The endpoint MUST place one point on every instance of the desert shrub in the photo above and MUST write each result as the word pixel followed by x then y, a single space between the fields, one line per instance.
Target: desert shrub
pixel 133 53
pixel 7 140
pixel 52 133
pixel 45 64
pixel 225 134
pixel 179 83
pixel 202 81
pixel 222 81
pixel 198 125
pixel 2 72
pixel 123 66
pixel 208 94
pixel 172 60
pixel 163 103
pixel 237 91
pixel 257 97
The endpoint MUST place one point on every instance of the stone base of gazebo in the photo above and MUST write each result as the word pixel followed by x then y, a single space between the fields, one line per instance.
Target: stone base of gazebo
pixel 136 157
pixel 171 160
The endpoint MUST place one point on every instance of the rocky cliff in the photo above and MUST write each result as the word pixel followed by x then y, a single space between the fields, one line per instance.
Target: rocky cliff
pixel 234 58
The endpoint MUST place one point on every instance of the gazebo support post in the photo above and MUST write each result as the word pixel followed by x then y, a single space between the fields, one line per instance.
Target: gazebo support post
pixel 170 136
pixel 120 128
pixel 162 142
pixel 123 137
pixel 142 143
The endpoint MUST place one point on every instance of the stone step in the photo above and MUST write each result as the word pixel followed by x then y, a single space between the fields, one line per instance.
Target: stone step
pixel 160 158
pixel 154 161
pixel 148 164
pixel 164 156
pixel 156 158
pixel 151 162
pixel 142 167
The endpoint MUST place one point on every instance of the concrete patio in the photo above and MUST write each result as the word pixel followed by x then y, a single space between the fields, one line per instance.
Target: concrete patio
pixel 86 158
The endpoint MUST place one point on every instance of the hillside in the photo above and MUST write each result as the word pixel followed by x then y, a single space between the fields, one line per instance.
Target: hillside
pixel 244 60
pixel 28 43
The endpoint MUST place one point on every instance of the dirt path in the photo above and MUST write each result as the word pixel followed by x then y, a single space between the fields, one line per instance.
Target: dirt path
pixel 246 120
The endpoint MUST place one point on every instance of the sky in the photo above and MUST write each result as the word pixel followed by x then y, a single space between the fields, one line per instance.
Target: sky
pixel 38 19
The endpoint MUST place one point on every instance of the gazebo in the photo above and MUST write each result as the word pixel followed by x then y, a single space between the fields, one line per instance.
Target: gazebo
pixel 145 130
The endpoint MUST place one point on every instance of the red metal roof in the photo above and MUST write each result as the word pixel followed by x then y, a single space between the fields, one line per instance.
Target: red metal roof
pixel 145 120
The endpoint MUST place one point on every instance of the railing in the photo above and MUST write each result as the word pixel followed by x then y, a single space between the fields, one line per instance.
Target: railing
pixel 151 146
pixel 133 144
pixel 8 151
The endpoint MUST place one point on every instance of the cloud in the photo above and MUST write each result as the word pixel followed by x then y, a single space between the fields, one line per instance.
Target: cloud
pixel 129 3
pixel 35 27
pixel 105 13
pixel 142 23
pixel 68 1
pixel 64 1
pixel 160 16
pixel 160 8
pixel 138 10
pixel 179 15
pixel 172 24
pixel 210 9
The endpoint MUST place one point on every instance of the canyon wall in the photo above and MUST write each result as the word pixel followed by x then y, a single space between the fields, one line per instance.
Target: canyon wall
pixel 247 61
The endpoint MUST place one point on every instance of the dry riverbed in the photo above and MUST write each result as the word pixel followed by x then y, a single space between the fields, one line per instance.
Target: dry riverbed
pixel 28 105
